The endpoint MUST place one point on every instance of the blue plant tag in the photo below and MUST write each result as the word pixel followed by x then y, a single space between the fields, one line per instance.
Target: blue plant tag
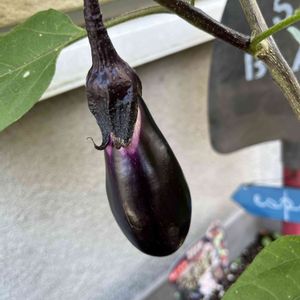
pixel 279 203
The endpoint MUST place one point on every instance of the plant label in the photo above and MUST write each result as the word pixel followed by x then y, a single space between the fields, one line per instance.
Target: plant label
pixel 245 106
pixel 278 203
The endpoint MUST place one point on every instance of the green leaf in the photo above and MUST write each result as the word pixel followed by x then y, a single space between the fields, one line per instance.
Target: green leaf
pixel 27 61
pixel 273 275
pixel 295 32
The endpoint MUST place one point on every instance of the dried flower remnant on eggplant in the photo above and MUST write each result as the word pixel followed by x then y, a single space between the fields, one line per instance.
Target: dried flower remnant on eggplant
pixel 146 188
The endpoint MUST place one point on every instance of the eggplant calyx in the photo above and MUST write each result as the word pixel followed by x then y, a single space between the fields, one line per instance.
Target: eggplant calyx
pixel 112 86
pixel 113 92
pixel 101 147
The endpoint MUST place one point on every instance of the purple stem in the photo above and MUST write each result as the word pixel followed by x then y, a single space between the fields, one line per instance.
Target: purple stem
pixel 103 52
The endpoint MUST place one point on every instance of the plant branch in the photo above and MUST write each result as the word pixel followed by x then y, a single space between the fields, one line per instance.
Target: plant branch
pixel 269 53
pixel 142 12
pixel 276 28
pixel 135 14
pixel 201 20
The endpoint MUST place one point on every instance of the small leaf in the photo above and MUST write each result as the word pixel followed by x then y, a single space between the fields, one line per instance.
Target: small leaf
pixel 295 32
pixel 27 61
pixel 273 275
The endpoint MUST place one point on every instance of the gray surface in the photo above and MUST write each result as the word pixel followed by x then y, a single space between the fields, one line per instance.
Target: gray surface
pixel 58 239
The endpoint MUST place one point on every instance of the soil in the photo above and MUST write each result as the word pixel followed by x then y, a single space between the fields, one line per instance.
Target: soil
pixel 237 267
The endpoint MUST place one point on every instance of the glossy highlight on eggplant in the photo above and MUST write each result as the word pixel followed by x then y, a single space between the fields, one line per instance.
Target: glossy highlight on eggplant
pixel 146 188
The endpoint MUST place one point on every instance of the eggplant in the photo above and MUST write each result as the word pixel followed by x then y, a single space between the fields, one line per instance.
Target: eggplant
pixel 147 191
pixel 146 188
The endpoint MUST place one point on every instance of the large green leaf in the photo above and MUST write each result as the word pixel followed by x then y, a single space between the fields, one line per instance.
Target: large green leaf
pixel 27 61
pixel 273 275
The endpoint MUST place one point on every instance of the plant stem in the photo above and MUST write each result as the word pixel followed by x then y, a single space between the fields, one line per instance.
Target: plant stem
pixel 201 20
pixel 275 28
pixel 100 43
pixel 269 53
pixel 157 9
pixel 135 14
pixel 102 48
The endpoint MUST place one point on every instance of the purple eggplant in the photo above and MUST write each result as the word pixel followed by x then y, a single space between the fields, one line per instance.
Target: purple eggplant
pixel 147 191
pixel 146 188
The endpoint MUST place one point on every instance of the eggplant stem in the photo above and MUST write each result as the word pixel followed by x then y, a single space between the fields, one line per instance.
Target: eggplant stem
pixel 102 48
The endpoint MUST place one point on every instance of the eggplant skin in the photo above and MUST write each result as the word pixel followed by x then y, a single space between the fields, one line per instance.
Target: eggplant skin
pixel 147 191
